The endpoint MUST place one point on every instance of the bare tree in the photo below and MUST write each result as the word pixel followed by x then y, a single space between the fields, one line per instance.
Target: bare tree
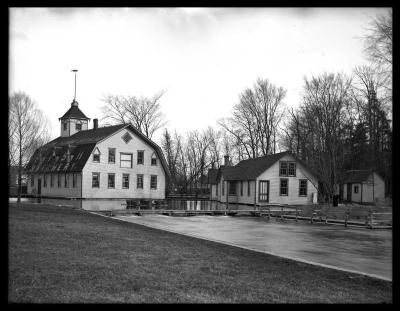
pixel 378 42
pixel 144 113
pixel 214 137
pixel 378 46
pixel 255 119
pixel 27 131
pixel 171 150
pixel 324 115
pixel 197 156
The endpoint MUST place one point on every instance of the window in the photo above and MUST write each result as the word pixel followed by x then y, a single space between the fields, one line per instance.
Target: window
pixel 66 181
pixel 32 180
pixel 223 188
pixel 125 181
pixel 78 126
pixel 127 137
pixel 139 181
pixel 292 169
pixel 153 161
pixel 287 168
pixel 51 180
pixel 248 188
pixel 241 188
pixel 96 155
pixel 140 156
pixel 111 180
pixel 263 191
pixel 44 181
pixel 283 169
pixel 216 189
pixel 111 155
pixel 126 160
pixel 232 188
pixel 153 182
pixel 59 180
pixel 284 187
pixel 65 126
pixel 355 189
pixel 303 187
pixel 95 180
pixel 73 180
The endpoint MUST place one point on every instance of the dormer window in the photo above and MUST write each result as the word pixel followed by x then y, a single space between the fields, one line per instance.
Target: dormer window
pixel 96 155
pixel 153 159
pixel 287 168
pixel 78 126
pixel 65 126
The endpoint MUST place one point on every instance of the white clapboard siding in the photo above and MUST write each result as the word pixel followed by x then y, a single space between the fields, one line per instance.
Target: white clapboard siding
pixel 103 167
pixel 272 174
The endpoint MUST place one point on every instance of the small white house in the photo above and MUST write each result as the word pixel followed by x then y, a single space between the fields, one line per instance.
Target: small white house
pixel 113 162
pixel 362 186
pixel 274 179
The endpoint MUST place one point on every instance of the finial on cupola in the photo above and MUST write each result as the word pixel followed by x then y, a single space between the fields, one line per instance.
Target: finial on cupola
pixel 74 102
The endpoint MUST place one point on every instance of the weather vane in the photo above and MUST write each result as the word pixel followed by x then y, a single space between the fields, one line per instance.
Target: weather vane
pixel 75 70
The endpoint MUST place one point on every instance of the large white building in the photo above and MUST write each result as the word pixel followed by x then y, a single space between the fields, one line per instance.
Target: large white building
pixel 113 162
pixel 274 179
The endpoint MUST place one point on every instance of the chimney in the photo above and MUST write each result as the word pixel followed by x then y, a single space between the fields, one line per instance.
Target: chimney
pixel 226 160
pixel 95 124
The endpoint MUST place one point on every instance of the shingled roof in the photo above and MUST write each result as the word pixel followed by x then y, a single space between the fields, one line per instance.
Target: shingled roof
pixel 250 169
pixel 356 176
pixel 74 113
pixel 212 176
pixel 53 157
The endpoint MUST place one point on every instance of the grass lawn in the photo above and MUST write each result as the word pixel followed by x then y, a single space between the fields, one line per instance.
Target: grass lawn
pixel 60 254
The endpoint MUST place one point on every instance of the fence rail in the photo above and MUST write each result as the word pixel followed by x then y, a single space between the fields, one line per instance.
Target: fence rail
pixel 332 216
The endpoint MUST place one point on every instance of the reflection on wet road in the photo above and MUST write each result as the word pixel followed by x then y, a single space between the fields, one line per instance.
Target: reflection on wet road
pixel 356 249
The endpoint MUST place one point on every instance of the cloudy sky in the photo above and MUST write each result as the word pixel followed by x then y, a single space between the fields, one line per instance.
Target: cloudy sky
pixel 202 57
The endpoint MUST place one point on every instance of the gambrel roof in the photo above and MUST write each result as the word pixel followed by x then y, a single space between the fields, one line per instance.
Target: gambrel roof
pixel 70 154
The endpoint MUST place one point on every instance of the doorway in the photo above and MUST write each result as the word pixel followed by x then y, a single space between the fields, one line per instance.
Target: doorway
pixel 349 188
pixel 39 187
pixel 263 191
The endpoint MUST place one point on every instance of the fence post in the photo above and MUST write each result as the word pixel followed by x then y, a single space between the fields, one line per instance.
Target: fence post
pixel 370 220
pixel 312 215
pixel 345 219
pixel 282 213
pixel 297 213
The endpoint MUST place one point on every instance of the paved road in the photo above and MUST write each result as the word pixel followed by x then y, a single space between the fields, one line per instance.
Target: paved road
pixel 353 249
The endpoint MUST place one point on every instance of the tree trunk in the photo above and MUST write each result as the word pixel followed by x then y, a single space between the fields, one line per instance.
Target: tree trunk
pixel 20 172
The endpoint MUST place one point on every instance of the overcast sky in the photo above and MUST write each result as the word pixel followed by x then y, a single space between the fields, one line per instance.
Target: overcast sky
pixel 202 57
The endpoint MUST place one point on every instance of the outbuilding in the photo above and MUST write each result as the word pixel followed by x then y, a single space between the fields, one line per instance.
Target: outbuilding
pixel 362 186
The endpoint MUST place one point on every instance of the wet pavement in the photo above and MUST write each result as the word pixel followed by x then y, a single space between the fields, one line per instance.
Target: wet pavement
pixel 352 249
